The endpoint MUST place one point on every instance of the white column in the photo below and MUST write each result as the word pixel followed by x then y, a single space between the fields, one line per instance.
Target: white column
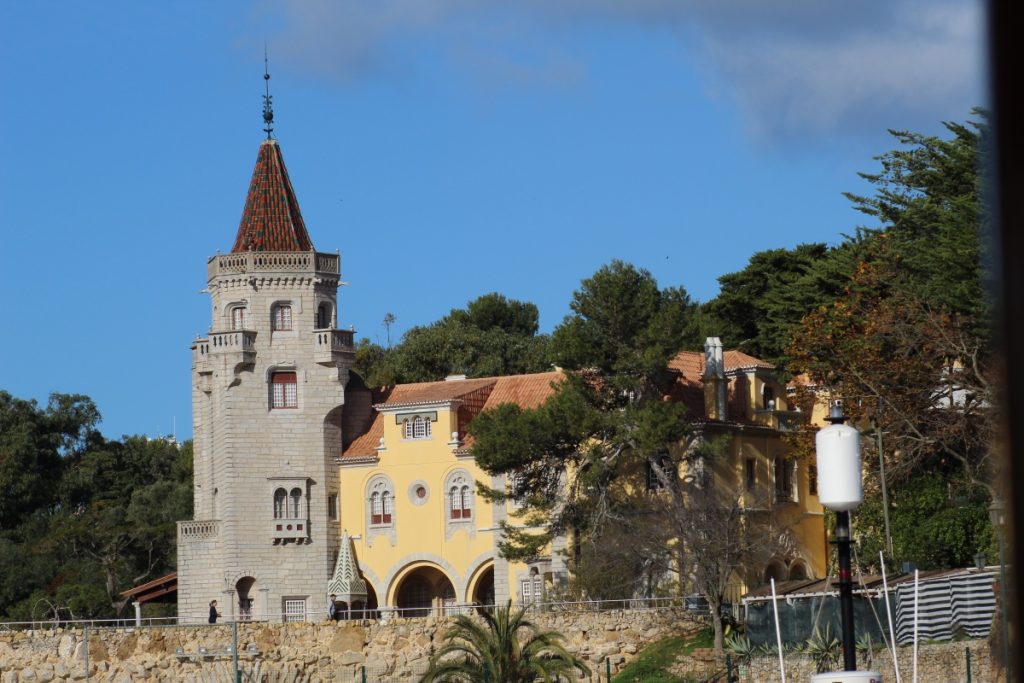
pixel 138 613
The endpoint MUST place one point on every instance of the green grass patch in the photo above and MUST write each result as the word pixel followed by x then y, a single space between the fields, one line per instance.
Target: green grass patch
pixel 652 663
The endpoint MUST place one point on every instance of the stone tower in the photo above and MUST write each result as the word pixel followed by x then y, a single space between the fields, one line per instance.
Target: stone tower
pixel 268 385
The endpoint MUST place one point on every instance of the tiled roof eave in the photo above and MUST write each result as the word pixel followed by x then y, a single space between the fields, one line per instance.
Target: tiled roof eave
pixel 439 403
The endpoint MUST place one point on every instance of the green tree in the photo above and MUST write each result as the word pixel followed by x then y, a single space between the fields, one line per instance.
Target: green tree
pixel 506 647
pixel 492 336
pixel 606 419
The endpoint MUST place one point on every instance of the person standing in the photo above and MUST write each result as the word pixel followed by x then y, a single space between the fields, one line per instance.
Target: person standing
pixel 332 607
pixel 213 612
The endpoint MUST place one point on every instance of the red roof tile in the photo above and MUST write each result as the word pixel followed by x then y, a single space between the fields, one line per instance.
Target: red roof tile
pixel 271 220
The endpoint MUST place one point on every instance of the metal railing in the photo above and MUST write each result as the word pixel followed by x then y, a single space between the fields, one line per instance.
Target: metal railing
pixel 376 614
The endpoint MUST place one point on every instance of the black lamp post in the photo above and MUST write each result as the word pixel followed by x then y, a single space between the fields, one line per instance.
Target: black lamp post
pixel 839 489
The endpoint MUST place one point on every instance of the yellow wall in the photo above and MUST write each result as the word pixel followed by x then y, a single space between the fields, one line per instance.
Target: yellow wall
pixel 461 550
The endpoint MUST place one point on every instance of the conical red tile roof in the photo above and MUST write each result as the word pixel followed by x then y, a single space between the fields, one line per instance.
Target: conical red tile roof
pixel 271 220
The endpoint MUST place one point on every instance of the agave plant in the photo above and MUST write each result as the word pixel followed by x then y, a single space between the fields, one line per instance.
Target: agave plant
pixel 505 648
pixel 824 649
pixel 741 648
pixel 866 648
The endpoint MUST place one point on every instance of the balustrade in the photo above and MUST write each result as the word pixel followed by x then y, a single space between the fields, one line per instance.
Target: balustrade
pixel 273 261
pixel 198 530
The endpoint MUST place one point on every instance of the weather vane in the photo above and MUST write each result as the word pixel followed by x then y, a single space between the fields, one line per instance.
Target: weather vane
pixel 268 107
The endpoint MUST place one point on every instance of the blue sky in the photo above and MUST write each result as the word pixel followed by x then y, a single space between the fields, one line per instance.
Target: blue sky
pixel 447 149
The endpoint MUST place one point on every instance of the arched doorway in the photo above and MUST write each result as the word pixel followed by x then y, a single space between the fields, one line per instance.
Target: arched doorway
pixel 483 591
pixel 798 570
pixel 775 570
pixel 243 590
pixel 425 591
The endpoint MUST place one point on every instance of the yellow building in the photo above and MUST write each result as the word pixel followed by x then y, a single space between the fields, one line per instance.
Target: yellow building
pixel 423 539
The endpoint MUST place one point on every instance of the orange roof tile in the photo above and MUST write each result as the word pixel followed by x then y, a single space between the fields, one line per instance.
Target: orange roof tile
pixel 526 391
pixel 271 220
pixel 434 392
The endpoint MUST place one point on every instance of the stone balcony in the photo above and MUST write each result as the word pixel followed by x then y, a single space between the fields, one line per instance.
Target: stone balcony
pixel 289 529
pixel 331 346
pixel 193 531
pixel 239 346
pixel 259 262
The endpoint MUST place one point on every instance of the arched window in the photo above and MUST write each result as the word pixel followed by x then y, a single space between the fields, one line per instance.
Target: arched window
pixel 296 503
pixel 416 427
pixel 380 504
pixel 239 318
pixel 279 503
pixel 460 497
pixel 284 390
pixel 281 317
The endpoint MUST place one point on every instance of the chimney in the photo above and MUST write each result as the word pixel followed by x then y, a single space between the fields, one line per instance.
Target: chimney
pixel 714 379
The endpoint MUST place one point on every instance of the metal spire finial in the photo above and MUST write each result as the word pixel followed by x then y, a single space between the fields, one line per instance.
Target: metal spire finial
pixel 268 107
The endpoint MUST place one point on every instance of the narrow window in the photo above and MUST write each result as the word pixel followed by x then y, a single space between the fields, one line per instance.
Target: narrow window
pixel 386 500
pixel 296 503
pixel 467 503
pixel 527 587
pixel 407 429
pixel 376 509
pixel 323 316
pixel 332 506
pixel 456 502
pixel 239 318
pixel 284 390
pixel 783 481
pixel 655 472
pixel 751 474
pixel 279 503
pixel 282 317
pixel 812 480
pixel 769 398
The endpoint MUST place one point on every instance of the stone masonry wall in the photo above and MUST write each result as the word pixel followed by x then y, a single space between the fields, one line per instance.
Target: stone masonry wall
pixel 302 652
pixel 937 663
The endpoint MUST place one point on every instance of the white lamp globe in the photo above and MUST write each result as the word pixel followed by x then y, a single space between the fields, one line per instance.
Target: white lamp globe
pixel 838 456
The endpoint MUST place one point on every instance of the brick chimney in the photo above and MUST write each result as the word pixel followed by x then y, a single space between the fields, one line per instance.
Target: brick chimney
pixel 714 380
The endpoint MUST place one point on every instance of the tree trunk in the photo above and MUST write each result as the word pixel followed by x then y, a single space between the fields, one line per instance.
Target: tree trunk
pixel 715 605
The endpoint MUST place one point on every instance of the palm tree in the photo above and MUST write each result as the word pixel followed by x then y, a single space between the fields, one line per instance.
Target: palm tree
pixel 495 651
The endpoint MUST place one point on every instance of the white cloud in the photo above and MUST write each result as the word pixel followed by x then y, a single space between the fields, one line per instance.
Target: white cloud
pixel 793 66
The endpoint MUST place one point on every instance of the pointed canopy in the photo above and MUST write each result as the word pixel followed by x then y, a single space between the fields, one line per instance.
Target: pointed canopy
pixel 271 220
pixel 346 583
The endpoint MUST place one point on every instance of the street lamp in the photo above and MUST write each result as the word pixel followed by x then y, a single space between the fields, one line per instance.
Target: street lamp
pixel 839 489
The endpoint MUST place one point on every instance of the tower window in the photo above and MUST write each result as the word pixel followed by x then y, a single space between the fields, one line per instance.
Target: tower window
pixel 280 505
pixel 751 474
pixel 282 317
pixel 296 497
pixel 284 390
pixel 323 316
pixel 239 318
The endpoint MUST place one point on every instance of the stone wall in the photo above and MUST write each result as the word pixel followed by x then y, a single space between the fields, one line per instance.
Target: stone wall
pixel 937 662
pixel 394 651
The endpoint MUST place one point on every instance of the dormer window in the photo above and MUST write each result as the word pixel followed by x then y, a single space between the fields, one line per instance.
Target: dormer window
pixel 416 426
pixel 281 317
pixel 284 390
